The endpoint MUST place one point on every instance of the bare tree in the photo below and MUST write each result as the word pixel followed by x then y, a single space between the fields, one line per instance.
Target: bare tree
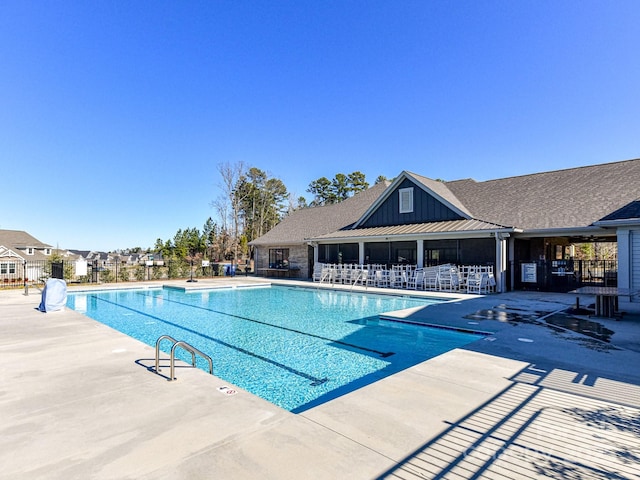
pixel 230 204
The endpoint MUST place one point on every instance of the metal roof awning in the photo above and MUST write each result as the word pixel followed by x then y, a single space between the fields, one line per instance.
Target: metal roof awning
pixel 454 228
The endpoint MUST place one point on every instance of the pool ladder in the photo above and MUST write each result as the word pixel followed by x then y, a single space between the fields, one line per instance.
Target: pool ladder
pixel 185 346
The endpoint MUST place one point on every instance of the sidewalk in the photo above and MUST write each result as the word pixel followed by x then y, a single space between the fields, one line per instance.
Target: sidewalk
pixel 530 400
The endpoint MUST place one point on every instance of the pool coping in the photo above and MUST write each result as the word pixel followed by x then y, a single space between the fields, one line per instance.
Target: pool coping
pixel 390 318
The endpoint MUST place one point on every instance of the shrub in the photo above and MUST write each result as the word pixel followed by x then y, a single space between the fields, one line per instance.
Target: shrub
pixel 139 272
pixel 123 275
pixel 159 272
pixel 175 270
pixel 106 276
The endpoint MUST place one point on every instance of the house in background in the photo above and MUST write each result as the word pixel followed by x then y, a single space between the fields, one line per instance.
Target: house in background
pixel 18 247
pixel 515 224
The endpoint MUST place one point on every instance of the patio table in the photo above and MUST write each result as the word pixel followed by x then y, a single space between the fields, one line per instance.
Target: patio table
pixel 606 298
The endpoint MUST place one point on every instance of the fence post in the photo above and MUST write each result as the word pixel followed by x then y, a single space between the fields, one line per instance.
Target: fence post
pixel 24 276
pixel 94 271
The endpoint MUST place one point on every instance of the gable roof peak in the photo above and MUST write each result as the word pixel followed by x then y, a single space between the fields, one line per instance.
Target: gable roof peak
pixel 440 190
pixel 436 188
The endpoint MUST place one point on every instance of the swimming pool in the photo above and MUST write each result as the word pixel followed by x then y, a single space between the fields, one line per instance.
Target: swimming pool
pixel 295 347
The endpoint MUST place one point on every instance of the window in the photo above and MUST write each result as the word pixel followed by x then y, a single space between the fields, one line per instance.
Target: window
pixel 30 250
pixel 328 253
pixel 441 251
pixel 338 253
pixel 47 251
pixel 406 200
pixel 349 252
pixel 378 252
pixel 278 258
pixel 404 253
pixel 7 268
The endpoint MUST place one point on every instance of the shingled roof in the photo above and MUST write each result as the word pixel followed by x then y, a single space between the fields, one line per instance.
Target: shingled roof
pixel 574 197
pixel 560 199
pixel 19 240
pixel 311 222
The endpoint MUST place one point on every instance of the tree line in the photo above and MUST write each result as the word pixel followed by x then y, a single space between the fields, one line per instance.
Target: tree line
pixel 251 203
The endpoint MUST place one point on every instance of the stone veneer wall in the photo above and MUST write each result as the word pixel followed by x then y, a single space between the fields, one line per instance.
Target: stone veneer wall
pixel 297 258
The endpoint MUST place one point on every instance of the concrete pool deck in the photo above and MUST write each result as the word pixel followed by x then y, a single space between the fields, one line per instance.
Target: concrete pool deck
pixel 529 400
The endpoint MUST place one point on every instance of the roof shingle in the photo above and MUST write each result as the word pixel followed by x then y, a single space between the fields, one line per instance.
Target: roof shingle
pixel 311 222
pixel 560 199
pixel 574 197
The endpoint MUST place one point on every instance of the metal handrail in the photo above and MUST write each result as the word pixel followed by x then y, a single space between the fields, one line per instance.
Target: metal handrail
pixel 189 348
pixel 173 341
pixel 359 276
pixel 193 351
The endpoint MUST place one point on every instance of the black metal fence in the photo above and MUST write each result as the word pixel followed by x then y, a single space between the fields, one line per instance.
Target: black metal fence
pixel 542 275
pixel 564 275
pixel 16 274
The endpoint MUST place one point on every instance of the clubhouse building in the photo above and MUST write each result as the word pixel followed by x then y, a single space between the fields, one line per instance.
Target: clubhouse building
pixel 526 228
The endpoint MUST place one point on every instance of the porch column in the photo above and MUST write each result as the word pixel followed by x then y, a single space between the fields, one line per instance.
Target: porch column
pixel 624 258
pixel 420 256
pixel 361 253
pixel 501 261
pixel 511 263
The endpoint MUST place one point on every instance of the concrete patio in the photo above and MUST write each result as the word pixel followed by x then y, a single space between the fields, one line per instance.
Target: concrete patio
pixel 530 400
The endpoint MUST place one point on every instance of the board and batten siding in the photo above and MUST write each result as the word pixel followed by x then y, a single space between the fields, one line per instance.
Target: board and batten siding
pixel 426 208
pixel 635 259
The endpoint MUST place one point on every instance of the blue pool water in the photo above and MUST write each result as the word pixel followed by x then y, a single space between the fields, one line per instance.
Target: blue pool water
pixel 295 347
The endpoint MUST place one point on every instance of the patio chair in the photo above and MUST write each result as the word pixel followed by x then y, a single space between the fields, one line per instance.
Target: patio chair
pixel 382 278
pixel 416 280
pixel 466 271
pixel 345 274
pixel 431 278
pixel 477 283
pixel 370 277
pixel 397 278
pixel 318 269
pixel 448 278
pixel 328 274
pixel 492 282
pixel 355 275
pixel 360 276
pixel 338 273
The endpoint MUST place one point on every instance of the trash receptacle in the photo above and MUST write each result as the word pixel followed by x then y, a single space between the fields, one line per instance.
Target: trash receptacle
pixel 57 270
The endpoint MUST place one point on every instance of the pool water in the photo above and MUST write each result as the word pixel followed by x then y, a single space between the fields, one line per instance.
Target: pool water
pixel 295 347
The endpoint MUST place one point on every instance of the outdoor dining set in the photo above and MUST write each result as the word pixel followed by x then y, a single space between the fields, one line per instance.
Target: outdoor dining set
pixel 446 277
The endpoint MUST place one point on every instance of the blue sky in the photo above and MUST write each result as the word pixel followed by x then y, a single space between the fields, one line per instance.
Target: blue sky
pixel 114 115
